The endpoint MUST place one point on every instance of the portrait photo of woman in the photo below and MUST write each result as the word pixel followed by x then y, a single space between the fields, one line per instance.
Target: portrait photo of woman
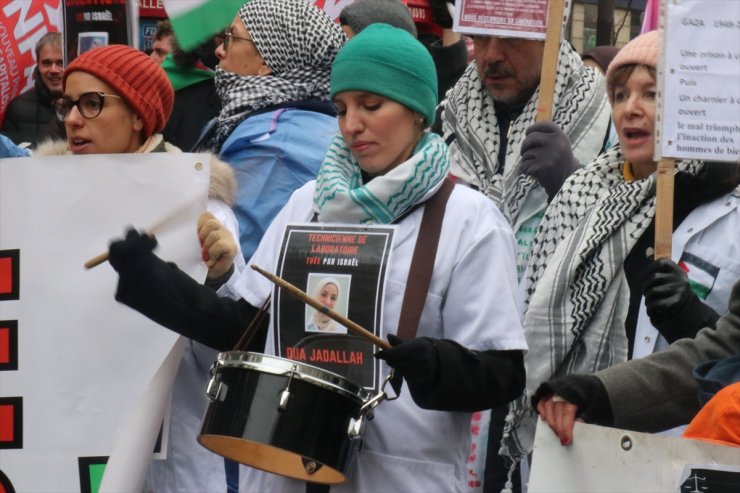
pixel 331 292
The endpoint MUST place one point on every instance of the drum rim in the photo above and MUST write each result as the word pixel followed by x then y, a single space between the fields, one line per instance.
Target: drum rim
pixel 276 365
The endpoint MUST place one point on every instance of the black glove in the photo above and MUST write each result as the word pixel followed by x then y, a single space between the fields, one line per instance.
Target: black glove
pixel 415 360
pixel 585 391
pixel 132 251
pixel 440 13
pixel 670 303
pixel 547 156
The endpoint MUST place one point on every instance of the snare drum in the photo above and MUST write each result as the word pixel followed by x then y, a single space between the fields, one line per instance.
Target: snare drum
pixel 284 417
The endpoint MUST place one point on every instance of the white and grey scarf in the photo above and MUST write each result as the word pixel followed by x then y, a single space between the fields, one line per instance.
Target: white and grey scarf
pixel 577 295
pixel 342 197
pixel 581 110
pixel 298 41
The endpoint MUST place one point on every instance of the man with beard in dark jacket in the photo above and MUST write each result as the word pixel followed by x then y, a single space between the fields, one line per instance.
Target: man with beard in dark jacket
pixel 28 116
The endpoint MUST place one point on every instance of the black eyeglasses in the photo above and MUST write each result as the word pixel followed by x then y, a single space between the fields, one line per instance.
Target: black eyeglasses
pixel 89 104
pixel 228 36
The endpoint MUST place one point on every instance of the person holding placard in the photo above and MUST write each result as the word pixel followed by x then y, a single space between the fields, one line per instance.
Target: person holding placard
pixel 648 394
pixel 595 297
pixel 382 166
pixel 495 144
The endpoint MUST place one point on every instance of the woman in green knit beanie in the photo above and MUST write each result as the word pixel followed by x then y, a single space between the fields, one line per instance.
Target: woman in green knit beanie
pixel 464 351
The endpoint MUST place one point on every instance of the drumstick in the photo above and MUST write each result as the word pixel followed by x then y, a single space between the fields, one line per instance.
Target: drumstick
pixel 357 329
pixel 159 225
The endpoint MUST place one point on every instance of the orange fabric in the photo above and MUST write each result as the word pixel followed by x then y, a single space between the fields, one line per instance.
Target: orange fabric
pixel 719 420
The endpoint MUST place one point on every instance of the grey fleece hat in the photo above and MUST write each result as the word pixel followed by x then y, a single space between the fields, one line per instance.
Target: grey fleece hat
pixel 362 13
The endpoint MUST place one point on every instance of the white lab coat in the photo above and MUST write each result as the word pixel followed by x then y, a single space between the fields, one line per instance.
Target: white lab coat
pixel 711 232
pixel 473 299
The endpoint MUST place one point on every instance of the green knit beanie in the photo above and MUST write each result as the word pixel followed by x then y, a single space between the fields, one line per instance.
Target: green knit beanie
pixel 390 62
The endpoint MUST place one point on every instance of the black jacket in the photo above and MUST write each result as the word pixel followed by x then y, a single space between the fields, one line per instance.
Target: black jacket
pixel 194 106
pixel 28 116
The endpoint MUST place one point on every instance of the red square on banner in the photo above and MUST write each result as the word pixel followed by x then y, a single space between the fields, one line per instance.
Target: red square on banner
pixel 11 422
pixel 8 345
pixel 6 423
pixel 4 345
pixel 6 278
pixel 9 274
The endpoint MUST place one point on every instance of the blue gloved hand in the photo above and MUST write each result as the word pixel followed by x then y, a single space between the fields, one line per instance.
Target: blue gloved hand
pixel 547 156
pixel 670 303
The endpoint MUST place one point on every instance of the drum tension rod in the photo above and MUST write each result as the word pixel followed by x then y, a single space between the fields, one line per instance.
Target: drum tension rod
pixel 285 394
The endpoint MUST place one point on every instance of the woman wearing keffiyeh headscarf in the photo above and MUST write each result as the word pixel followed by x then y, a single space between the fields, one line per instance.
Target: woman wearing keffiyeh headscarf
pixel 382 168
pixel 595 296
pixel 276 120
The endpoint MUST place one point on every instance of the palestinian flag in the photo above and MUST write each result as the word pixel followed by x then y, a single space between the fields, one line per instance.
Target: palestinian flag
pixel 702 274
pixel 194 21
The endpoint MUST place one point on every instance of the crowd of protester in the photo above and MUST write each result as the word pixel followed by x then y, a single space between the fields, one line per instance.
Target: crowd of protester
pixel 545 300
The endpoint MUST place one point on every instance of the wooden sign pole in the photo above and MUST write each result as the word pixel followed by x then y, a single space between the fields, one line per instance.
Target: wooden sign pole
pixel 664 208
pixel 550 59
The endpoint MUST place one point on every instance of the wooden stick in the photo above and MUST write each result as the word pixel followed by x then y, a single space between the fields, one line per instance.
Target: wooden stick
pixel 159 225
pixel 103 257
pixel 664 208
pixel 357 329
pixel 550 60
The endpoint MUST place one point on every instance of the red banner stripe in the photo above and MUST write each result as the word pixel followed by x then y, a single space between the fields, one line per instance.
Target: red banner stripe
pixel 4 345
pixel 6 275
pixel 6 423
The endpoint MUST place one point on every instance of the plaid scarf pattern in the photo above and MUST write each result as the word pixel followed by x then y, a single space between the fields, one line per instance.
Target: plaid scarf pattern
pixel 298 41
pixel 577 295
pixel 341 196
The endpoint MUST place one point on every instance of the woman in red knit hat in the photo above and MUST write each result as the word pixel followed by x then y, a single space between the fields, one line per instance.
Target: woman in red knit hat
pixel 116 99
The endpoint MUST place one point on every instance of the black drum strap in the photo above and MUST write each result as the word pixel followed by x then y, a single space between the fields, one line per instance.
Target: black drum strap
pixel 422 261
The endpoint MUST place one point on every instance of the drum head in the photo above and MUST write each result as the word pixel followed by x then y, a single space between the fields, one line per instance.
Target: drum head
pixel 271 459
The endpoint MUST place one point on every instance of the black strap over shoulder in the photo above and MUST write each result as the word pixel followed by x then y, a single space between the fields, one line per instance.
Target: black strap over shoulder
pixel 422 261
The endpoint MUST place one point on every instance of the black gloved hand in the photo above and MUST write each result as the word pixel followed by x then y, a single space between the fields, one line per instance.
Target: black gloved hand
pixel 585 391
pixel 415 360
pixel 547 156
pixel 670 303
pixel 440 13
pixel 131 252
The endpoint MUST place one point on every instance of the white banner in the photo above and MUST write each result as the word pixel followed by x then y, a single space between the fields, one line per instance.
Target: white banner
pixel 75 362
pixel 609 459
pixel 699 81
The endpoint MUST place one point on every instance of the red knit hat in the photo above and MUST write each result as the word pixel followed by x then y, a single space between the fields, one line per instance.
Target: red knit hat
pixel 138 79
pixel 643 50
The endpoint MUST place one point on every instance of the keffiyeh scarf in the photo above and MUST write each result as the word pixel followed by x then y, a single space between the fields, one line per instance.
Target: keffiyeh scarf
pixel 341 197
pixel 581 110
pixel 577 295
pixel 298 42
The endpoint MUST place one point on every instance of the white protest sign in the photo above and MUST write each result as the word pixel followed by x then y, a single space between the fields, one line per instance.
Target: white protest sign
pixel 699 81
pixel 602 460
pixel 82 360
pixel 506 18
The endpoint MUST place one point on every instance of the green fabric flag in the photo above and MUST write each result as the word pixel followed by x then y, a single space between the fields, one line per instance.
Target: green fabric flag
pixel 194 21
pixel 184 76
